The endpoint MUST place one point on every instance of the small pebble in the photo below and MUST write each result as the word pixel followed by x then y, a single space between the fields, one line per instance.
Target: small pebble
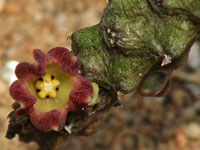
pixel 192 130
pixel 8 72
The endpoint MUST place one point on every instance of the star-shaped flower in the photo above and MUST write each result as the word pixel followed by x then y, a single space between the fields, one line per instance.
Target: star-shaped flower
pixel 50 89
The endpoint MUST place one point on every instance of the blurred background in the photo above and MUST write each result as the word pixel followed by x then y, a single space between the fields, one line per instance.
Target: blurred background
pixel 168 123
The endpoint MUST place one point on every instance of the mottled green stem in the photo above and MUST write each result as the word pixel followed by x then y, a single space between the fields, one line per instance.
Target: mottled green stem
pixel 136 38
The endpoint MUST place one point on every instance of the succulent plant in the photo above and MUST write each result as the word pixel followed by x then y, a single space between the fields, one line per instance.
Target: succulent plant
pixel 135 39
pixel 135 47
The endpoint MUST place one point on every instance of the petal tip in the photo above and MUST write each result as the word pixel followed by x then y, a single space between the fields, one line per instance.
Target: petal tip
pixel 83 89
pixel 25 70
pixel 65 59
pixel 20 94
pixel 53 120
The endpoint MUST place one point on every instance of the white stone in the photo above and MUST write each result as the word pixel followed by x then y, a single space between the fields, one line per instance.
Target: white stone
pixel 192 130
pixel 8 72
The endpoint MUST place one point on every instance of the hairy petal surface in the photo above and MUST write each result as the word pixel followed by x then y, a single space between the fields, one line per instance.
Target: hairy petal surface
pixel 41 59
pixel 52 120
pixel 64 58
pixel 19 92
pixel 82 91
pixel 25 71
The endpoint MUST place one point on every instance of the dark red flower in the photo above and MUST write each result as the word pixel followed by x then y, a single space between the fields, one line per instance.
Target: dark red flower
pixel 51 88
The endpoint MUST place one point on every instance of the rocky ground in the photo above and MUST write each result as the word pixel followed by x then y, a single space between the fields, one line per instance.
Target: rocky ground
pixel 171 122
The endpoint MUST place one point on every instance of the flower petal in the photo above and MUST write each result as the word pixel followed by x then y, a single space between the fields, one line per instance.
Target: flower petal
pixel 52 120
pixel 82 91
pixel 19 92
pixel 25 71
pixel 42 60
pixel 64 58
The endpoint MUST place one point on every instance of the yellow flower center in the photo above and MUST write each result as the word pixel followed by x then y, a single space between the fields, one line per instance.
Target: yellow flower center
pixel 47 86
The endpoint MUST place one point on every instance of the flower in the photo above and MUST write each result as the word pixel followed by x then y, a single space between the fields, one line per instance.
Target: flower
pixel 51 88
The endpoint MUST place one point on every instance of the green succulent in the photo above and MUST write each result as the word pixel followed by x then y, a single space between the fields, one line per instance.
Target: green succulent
pixel 135 40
